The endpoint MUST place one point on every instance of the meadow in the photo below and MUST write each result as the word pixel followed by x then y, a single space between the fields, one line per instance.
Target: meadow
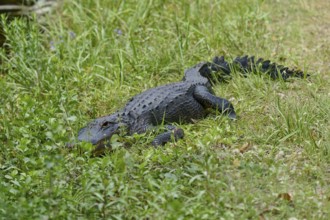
pixel 93 55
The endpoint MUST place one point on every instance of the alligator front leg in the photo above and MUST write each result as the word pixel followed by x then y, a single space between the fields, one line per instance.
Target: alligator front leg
pixel 208 100
pixel 172 133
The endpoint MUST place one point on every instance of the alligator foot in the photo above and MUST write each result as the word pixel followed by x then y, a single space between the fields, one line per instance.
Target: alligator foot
pixel 207 99
pixel 100 150
pixel 173 133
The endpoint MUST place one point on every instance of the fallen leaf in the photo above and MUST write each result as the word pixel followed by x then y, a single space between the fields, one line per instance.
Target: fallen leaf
pixel 270 209
pixel 245 148
pixel 285 196
pixel 262 217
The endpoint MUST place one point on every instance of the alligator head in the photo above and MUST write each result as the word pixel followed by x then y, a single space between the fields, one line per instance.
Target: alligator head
pixel 100 130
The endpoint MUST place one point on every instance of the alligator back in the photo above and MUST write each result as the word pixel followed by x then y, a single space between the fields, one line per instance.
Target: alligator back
pixel 169 103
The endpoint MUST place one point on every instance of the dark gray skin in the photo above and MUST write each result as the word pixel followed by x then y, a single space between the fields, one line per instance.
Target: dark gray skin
pixel 180 102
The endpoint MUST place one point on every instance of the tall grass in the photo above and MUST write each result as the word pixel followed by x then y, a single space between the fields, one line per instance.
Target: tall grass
pixel 91 57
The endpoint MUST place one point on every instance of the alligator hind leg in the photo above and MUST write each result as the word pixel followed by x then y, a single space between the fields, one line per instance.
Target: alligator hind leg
pixel 208 100
pixel 172 133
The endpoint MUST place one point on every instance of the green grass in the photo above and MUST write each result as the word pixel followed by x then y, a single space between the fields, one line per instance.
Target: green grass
pixel 272 163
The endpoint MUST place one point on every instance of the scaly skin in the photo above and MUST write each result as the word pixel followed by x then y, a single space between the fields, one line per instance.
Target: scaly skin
pixel 179 102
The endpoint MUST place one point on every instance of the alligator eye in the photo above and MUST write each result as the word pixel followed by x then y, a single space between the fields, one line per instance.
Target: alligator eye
pixel 105 124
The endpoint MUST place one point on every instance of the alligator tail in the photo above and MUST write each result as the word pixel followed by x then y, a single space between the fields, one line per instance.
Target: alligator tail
pixel 246 64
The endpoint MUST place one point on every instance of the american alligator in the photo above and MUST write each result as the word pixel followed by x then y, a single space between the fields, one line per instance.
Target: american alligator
pixel 179 102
